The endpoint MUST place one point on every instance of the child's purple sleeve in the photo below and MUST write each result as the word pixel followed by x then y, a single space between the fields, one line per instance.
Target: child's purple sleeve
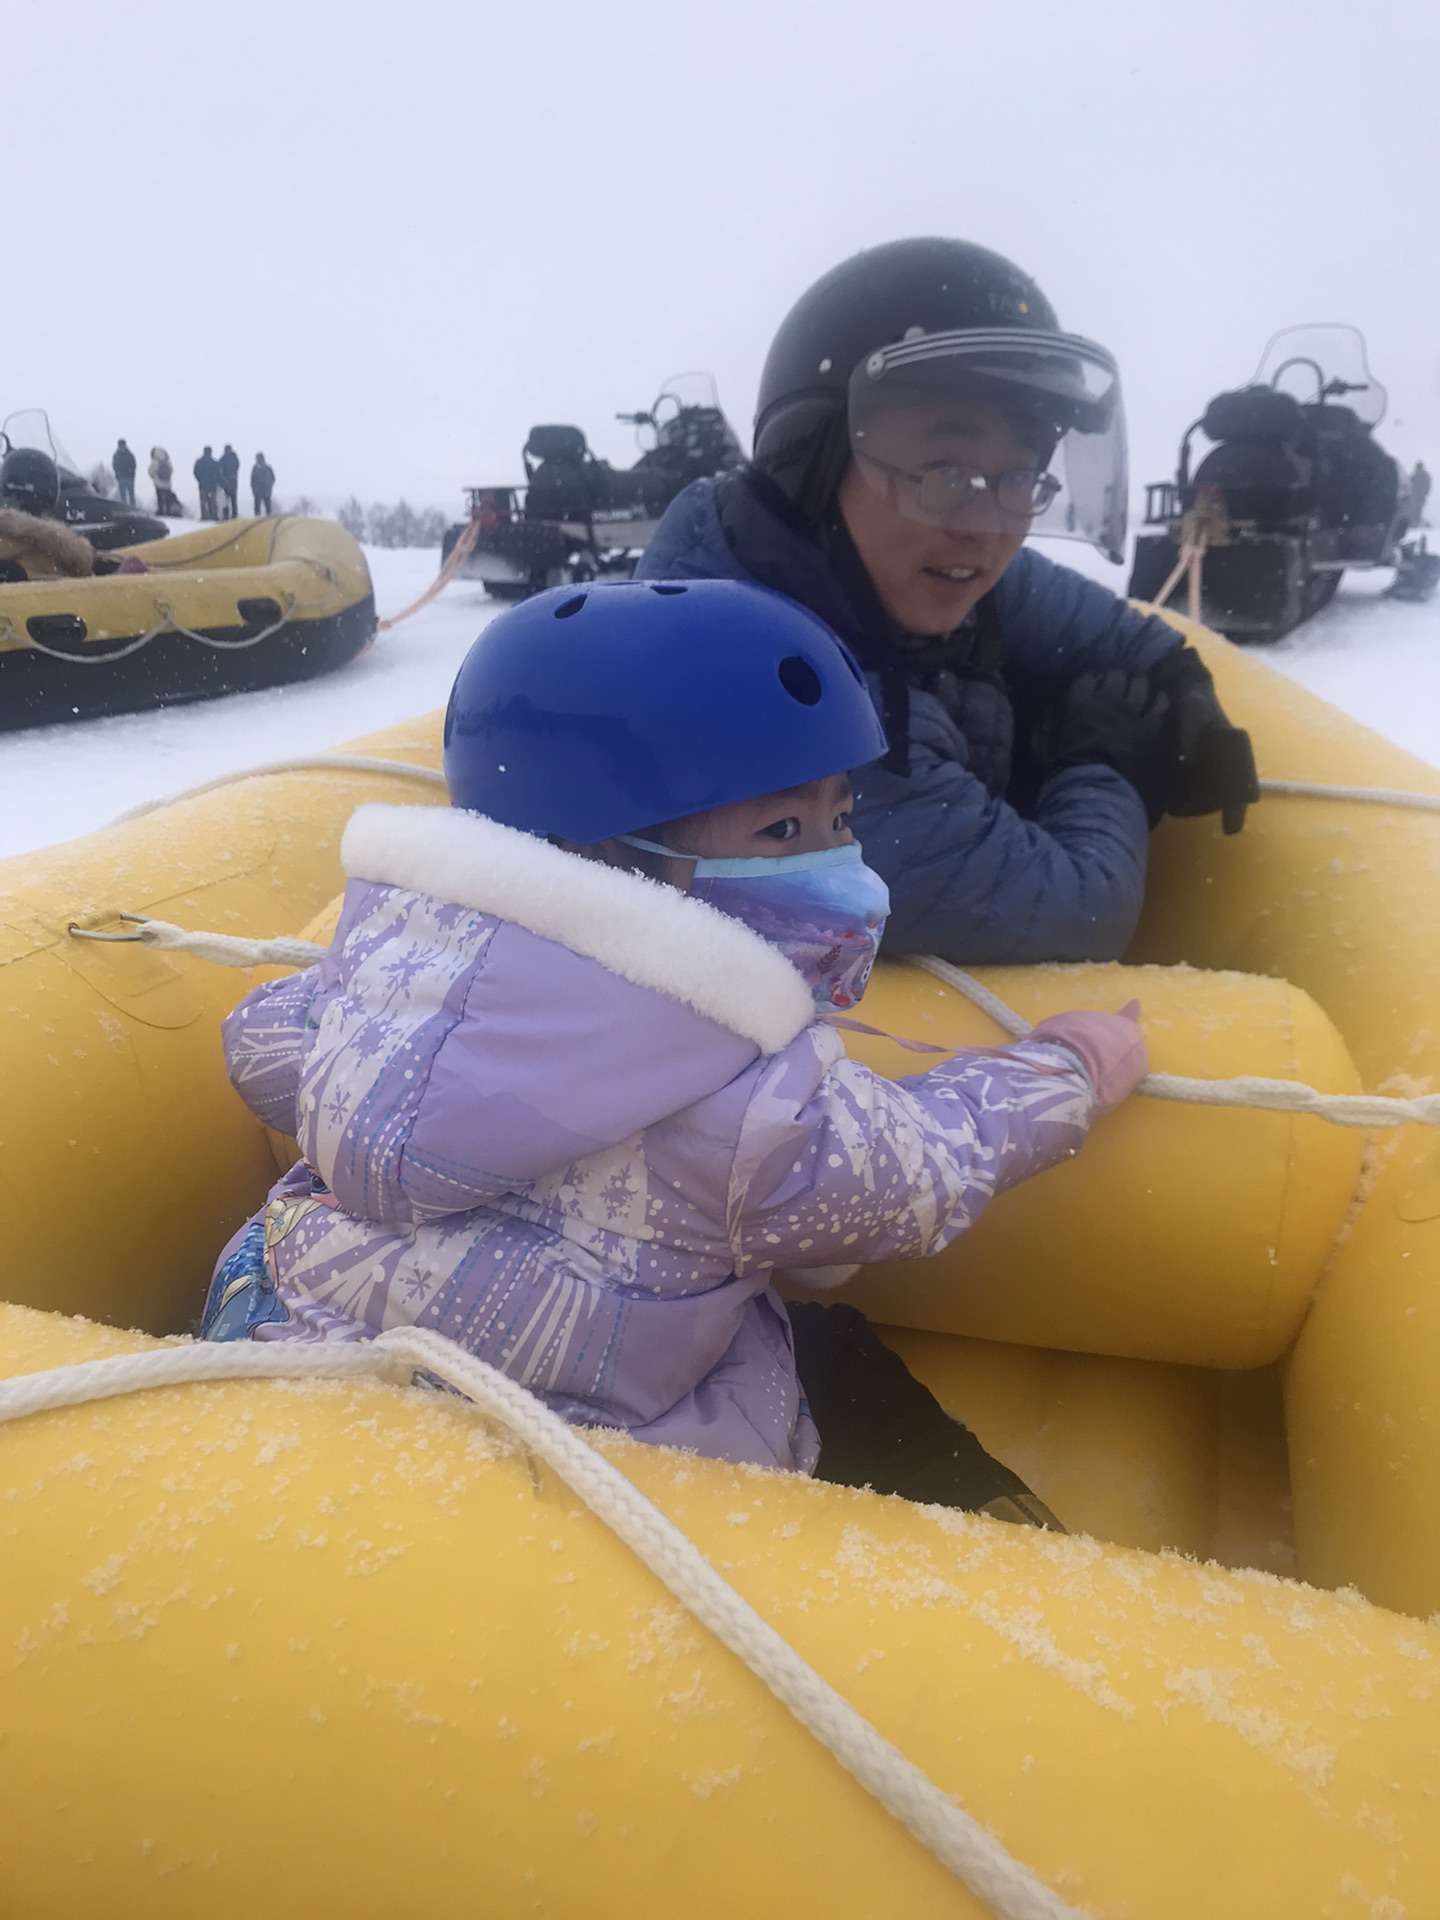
pixel 861 1168
pixel 265 1039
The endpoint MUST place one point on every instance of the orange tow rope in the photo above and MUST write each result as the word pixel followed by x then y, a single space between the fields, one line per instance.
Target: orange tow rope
pixel 459 554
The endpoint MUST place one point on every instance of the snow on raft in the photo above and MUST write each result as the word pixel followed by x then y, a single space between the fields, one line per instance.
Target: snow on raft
pixel 363 1644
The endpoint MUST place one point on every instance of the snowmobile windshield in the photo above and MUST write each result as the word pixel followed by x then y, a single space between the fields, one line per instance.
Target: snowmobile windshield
pixel 686 421
pixel 30 427
pixel 1032 419
pixel 682 390
pixel 1324 364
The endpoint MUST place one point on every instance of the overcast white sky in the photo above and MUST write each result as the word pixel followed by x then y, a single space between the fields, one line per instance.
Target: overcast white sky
pixel 380 240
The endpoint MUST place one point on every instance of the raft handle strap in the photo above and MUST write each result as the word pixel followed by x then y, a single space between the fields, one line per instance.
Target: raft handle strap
pixel 956 1838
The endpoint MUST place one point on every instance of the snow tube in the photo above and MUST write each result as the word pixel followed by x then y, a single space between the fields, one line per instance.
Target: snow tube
pixel 249 603
pixel 348 1599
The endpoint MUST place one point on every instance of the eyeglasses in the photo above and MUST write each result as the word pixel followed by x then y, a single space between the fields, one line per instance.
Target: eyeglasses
pixel 940 491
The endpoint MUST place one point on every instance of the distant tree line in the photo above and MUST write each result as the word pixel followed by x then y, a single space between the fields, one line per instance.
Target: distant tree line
pixel 399 526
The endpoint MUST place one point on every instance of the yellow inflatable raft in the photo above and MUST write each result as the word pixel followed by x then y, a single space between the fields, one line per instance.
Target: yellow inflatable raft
pixel 221 609
pixel 269 1647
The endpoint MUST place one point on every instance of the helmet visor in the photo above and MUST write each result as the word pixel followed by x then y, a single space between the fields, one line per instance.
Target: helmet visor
pixel 1024 425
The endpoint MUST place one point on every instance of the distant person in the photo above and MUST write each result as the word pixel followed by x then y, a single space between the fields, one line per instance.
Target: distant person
pixel 1419 494
pixel 229 465
pixel 262 485
pixel 162 477
pixel 122 465
pixel 207 479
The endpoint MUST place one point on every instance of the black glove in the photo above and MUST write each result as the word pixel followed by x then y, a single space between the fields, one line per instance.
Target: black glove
pixel 1209 766
pixel 1114 719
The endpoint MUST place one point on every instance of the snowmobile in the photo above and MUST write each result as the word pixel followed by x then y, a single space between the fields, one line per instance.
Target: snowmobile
pixel 578 517
pixel 1292 490
pixel 105 523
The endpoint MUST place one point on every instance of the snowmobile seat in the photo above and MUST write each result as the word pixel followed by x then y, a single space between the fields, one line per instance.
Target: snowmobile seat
pixel 1268 482
pixel 567 482
pixel 1254 413
pixel 1359 489
pixel 556 443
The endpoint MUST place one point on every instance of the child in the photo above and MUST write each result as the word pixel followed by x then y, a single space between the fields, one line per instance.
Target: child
pixel 560 1085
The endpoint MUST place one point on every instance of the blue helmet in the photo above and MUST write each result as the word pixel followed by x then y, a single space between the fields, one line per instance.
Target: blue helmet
pixel 587 712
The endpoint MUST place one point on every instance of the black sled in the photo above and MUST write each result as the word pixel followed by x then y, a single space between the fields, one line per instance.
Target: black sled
pixel 578 517
pixel 1293 490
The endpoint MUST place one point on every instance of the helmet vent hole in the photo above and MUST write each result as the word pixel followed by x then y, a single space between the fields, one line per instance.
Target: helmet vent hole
pixel 666 589
pixel 567 607
pixel 800 680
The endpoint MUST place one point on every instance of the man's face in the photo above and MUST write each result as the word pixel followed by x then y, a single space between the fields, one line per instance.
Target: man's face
pixel 929 576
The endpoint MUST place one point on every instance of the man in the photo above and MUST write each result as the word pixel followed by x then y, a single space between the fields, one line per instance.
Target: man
pixel 207 479
pixel 262 485
pixel 122 465
pixel 911 409
pixel 229 465
pixel 1419 494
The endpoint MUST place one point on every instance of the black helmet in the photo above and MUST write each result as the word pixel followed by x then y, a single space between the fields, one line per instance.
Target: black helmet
pixel 917 315
pixel 29 480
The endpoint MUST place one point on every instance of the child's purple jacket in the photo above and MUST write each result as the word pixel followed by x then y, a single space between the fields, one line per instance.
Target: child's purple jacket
pixel 574 1120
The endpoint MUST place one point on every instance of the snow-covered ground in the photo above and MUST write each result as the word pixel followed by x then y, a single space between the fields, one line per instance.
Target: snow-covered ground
pixel 59 781
pixel 1377 659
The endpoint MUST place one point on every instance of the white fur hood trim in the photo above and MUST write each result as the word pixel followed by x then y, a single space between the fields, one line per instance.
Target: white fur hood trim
pixel 645 932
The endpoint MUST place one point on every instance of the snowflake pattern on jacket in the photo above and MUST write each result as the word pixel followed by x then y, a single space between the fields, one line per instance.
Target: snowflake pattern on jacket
pixel 584 1177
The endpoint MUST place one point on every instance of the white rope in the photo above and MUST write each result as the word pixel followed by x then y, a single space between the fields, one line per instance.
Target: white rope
pixel 304 763
pixel 86 656
pixel 1248 1090
pixel 1369 796
pixel 957 1840
pixel 226 949
pixel 367 763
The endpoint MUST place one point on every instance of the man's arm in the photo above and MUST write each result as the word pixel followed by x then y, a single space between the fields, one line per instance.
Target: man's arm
pixel 973 880
pixel 1058 626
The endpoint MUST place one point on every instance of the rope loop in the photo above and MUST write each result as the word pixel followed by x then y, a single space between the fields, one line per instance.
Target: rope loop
pixel 169 622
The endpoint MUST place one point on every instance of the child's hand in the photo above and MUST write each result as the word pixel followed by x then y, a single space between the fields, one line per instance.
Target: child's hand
pixel 1111 1045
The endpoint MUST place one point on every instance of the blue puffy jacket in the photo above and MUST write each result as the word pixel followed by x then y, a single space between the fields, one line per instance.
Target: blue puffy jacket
pixel 971 876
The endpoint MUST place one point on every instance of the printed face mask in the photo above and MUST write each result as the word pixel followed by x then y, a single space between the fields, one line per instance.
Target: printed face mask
pixel 824 911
